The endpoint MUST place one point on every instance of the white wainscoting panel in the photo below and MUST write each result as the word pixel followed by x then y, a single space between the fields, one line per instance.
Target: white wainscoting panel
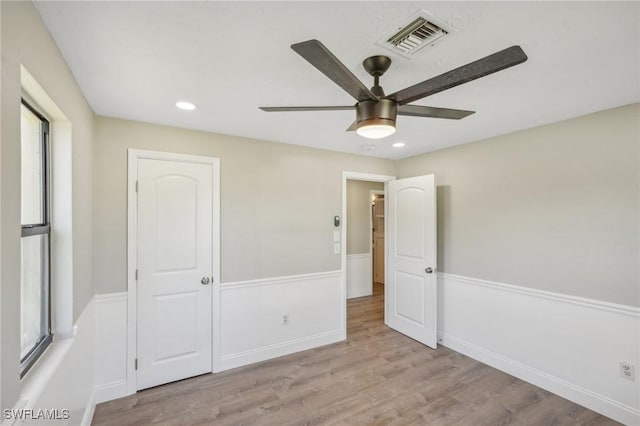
pixel 63 377
pixel 251 321
pixel 359 279
pixel 111 346
pixel 252 316
pixel 568 345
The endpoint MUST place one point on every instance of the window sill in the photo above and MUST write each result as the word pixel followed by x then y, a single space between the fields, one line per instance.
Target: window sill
pixel 40 374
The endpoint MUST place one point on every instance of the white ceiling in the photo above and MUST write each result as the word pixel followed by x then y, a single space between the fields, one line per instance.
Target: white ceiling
pixel 134 60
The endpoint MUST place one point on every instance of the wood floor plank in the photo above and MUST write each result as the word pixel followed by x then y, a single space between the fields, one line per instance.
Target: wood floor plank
pixel 376 377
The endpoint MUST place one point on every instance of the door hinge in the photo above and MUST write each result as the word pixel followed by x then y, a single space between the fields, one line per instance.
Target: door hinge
pixel 135 364
pixel 136 186
pixel 136 275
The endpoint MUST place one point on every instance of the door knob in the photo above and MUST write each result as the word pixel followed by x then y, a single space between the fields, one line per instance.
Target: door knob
pixel 429 270
pixel 204 280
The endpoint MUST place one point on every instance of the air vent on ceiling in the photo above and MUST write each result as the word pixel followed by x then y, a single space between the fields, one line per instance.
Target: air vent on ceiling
pixel 423 30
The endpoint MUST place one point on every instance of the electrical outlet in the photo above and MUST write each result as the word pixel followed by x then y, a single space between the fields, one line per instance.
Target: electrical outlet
pixel 285 319
pixel 628 371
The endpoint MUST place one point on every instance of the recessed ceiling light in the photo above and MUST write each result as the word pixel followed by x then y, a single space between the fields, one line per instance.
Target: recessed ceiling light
pixel 187 106
pixel 398 145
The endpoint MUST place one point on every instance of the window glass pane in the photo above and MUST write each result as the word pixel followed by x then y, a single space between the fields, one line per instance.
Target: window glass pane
pixel 33 292
pixel 32 178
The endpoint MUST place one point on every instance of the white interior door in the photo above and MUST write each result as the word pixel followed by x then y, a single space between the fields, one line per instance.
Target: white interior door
pixel 175 211
pixel 411 290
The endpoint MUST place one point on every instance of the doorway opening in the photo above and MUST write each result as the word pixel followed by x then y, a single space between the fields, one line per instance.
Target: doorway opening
pixel 363 248
pixel 409 299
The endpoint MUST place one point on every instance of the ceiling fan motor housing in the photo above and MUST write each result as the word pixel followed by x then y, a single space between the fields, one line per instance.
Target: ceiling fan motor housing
pixel 382 112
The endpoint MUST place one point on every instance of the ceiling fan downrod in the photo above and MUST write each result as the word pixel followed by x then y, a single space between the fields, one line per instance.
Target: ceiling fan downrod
pixel 381 112
pixel 376 66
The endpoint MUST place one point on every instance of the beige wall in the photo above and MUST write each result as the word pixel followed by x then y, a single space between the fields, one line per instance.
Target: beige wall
pixel 358 212
pixel 277 201
pixel 26 41
pixel 553 208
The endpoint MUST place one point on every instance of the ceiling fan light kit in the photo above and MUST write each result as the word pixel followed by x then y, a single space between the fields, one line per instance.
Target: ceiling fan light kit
pixel 376 129
pixel 376 119
pixel 376 112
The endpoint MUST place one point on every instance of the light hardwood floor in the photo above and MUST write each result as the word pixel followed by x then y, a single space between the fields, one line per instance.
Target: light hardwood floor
pixel 376 377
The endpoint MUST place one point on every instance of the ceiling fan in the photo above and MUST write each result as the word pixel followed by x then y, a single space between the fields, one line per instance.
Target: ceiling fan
pixel 376 112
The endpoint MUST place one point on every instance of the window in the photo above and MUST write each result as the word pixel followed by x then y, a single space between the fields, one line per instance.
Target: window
pixel 35 318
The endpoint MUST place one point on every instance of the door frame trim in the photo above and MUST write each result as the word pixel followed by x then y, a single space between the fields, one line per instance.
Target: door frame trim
pixel 133 155
pixel 346 175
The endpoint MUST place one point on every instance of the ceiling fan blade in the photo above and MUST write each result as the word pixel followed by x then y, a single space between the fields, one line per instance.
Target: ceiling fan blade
pixel 427 111
pixel 307 108
pixel 320 57
pixel 498 61
pixel 353 127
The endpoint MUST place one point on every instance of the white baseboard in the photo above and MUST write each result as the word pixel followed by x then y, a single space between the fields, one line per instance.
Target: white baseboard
pixel 90 410
pixel 110 391
pixel 567 345
pixel 280 349
pixel 359 279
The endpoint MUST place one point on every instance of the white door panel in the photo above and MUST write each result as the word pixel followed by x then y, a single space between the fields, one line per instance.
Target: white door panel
pixel 176 325
pixel 410 226
pixel 175 203
pixel 176 221
pixel 411 240
pixel 409 297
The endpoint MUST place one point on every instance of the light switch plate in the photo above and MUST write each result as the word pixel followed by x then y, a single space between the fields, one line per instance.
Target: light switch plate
pixel 336 248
